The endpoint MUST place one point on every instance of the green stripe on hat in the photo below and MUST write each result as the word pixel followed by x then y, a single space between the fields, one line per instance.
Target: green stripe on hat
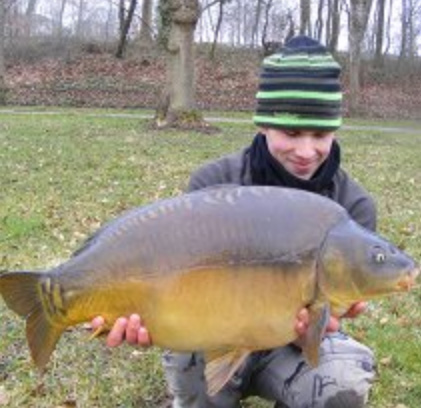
pixel 297 80
pixel 300 87
pixel 281 61
pixel 297 121
pixel 324 96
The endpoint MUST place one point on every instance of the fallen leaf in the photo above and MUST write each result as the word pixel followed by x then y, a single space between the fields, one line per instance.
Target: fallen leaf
pixel 386 361
pixel 4 397
pixel 67 404
pixel 137 354
pixel 384 320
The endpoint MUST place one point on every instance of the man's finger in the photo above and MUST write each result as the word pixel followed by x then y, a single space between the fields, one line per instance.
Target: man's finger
pixel 143 337
pixel 132 329
pixel 302 322
pixel 117 333
pixel 356 309
pixel 97 322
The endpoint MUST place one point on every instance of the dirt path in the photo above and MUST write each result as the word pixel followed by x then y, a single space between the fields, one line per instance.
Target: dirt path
pixel 212 119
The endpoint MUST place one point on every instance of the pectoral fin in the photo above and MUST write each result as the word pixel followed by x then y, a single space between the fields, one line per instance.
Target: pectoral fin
pixel 319 319
pixel 221 366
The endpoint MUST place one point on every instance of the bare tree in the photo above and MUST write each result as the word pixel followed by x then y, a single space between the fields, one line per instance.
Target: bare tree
pixel 178 100
pixel 145 34
pixel 378 53
pixel 358 17
pixel 388 28
pixel 319 22
pixel 268 46
pixel 80 19
pixel 125 22
pixel 232 22
pixel 405 20
pixel 29 13
pixel 305 17
pixel 108 23
pixel 410 29
pixel 218 27
pixel 333 25
pixel 256 24
pixel 3 89
pixel 121 14
pixel 63 4
pixel 291 26
pixel 164 22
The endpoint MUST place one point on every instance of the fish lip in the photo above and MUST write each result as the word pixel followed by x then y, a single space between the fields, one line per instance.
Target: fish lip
pixel 408 281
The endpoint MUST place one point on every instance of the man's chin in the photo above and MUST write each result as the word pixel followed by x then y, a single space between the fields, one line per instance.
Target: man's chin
pixel 301 174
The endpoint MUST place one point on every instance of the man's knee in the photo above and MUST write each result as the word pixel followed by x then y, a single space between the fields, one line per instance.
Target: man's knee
pixel 184 375
pixel 343 379
pixel 186 383
pixel 346 399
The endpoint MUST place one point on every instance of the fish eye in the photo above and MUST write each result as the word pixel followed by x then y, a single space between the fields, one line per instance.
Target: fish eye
pixel 379 257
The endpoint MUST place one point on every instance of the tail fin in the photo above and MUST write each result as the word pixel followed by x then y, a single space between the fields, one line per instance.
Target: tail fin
pixel 23 293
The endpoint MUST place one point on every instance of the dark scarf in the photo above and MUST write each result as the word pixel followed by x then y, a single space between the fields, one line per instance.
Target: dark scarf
pixel 266 170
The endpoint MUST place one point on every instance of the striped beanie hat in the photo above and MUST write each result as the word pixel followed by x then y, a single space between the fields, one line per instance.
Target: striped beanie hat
pixel 299 88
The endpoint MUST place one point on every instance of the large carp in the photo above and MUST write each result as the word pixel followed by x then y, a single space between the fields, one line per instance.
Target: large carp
pixel 223 271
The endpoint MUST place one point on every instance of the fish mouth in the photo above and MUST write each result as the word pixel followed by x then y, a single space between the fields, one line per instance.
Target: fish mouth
pixel 408 281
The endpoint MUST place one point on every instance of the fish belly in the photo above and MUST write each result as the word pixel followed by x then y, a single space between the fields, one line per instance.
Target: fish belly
pixel 225 308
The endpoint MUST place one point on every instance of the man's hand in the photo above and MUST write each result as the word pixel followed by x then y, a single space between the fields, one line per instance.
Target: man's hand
pixel 129 329
pixel 133 332
pixel 303 318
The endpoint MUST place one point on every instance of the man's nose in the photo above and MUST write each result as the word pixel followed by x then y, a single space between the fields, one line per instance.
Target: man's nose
pixel 305 148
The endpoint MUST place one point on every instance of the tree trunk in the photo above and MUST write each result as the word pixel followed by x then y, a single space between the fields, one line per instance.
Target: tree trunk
pixel 145 35
pixel 121 15
pixel 335 25
pixel 3 89
pixel 218 28
pixel 404 31
pixel 411 14
pixel 80 18
pixel 412 30
pixel 177 105
pixel 265 42
pixel 378 54
pixel 319 22
pixel 291 27
pixel 125 29
pixel 29 13
pixel 108 23
pixel 305 14
pixel 164 23
pixel 388 28
pixel 60 19
pixel 239 28
pixel 358 18
pixel 256 23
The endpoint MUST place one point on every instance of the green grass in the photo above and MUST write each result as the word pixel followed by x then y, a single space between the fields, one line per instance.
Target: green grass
pixel 63 175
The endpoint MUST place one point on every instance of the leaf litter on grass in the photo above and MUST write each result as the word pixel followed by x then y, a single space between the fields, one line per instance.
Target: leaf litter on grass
pixel 64 178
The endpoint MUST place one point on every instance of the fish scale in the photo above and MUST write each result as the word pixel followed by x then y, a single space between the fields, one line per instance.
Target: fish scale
pixel 224 271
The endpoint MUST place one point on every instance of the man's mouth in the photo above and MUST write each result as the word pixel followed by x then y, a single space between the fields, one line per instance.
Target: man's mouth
pixel 302 167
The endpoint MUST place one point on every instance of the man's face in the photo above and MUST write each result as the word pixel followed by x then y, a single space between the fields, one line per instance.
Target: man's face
pixel 301 152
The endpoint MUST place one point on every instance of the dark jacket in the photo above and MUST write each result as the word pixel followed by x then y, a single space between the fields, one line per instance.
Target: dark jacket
pixel 235 169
